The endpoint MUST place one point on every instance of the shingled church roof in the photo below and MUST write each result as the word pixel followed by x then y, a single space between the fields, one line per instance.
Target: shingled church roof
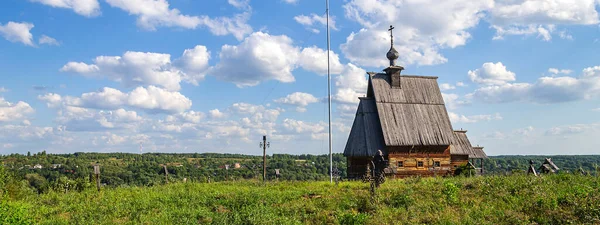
pixel 414 113
pixel 365 136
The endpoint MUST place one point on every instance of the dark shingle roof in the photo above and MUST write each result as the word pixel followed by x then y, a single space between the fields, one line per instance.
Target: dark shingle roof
pixel 365 136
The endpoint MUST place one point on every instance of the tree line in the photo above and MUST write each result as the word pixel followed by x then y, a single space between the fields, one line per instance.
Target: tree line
pixel 43 172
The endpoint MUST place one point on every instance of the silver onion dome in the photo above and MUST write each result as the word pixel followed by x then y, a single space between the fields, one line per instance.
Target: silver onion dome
pixel 392 55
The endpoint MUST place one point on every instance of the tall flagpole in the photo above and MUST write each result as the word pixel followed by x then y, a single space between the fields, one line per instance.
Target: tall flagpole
pixel 329 97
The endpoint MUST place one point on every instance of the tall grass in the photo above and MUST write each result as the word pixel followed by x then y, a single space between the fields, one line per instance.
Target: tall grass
pixel 553 199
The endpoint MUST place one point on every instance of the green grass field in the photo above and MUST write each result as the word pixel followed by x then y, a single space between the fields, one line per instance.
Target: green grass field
pixel 553 199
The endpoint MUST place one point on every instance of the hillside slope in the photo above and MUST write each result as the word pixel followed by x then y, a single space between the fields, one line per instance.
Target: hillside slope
pixel 555 199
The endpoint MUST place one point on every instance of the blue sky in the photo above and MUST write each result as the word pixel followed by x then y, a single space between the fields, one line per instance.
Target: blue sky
pixel 214 76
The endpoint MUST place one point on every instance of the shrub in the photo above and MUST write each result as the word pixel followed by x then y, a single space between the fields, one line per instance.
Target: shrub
pixel 13 213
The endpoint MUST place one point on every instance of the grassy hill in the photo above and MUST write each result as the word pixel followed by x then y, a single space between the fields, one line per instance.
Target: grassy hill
pixel 516 199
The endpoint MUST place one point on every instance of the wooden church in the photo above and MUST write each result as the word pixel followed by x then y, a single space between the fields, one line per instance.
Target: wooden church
pixel 404 116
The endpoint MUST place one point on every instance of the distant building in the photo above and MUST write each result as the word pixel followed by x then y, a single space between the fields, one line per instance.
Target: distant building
pixel 237 166
pixel 55 166
pixel 38 166
pixel 405 117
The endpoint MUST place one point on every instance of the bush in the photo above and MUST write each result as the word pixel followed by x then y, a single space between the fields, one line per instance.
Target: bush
pixel 13 213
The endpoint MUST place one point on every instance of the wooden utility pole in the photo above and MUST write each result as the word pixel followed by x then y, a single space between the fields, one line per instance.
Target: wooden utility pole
pixel 264 144
pixel 166 174
pixel 97 174
pixel 264 157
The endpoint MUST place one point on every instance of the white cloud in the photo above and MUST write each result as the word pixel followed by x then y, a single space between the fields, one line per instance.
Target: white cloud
pixel 147 68
pixel 11 111
pixel 2 89
pixel 157 13
pixel 314 60
pixel 216 114
pixel 492 74
pixel 195 63
pixel 188 117
pixel 11 134
pixel 596 110
pixel 240 4
pixel 291 1
pixel 17 32
pixel 132 69
pixel 523 132
pixel 456 118
pixel 152 99
pixel 350 84
pixel 299 99
pixel 368 47
pixel 298 126
pixel 311 21
pixel 88 8
pixel 236 25
pixel 540 17
pixel 557 71
pixel 260 57
pixel 452 101
pixel 461 84
pixel 570 129
pixel 45 40
pixel 418 41
pixel 545 90
pixel 446 86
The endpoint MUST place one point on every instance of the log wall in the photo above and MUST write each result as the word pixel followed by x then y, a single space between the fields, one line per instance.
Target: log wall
pixel 428 155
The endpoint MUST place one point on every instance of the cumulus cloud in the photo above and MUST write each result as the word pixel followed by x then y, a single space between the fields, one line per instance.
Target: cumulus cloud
pixel 189 117
pixel 545 89
pixel 290 1
pixel 446 86
pixel 350 84
pixel 147 68
pixel 45 40
pixel 492 74
pixel 157 13
pixel 258 58
pixel 240 4
pixel 298 126
pixel 452 101
pixel 152 99
pixel 570 129
pixel 80 119
pixel 559 71
pixel 14 111
pixel 194 63
pixel 314 59
pixel 17 32
pixel 540 17
pixel 216 114
pixel 456 118
pixel 418 41
pixel 299 99
pixel 17 133
pixel 88 8
pixel 312 21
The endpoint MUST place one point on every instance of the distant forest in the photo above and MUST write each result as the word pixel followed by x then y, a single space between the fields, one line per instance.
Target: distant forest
pixel 43 172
